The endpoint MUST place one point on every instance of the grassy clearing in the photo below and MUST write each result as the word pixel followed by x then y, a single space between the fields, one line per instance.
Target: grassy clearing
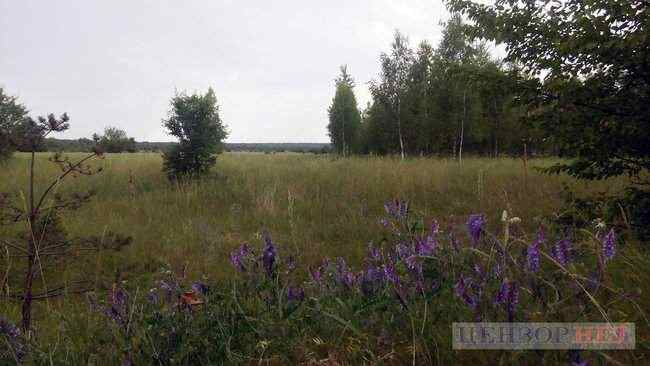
pixel 313 205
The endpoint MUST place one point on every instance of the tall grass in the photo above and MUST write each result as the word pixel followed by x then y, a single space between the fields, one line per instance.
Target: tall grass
pixel 314 205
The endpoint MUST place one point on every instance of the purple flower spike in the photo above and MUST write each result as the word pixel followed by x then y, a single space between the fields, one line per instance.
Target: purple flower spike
pixel 398 209
pixel 237 257
pixel 403 251
pixel 475 225
pixel 8 329
pixel 426 246
pixel 391 273
pixel 532 257
pixel 268 255
pixel 434 228
pixel 461 290
pixel 561 251
pixel 508 296
pixel 609 245
pixel 291 264
pixel 295 294
pixel 236 261
pixel 200 288
pixel 414 264
pixel 343 274
pixel 374 253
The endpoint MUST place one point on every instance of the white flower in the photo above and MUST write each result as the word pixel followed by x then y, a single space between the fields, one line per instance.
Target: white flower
pixel 504 216
pixel 514 220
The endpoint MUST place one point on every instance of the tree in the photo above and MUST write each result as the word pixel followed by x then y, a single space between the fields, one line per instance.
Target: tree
pixel 593 60
pixel 194 120
pixel 344 117
pixel 393 83
pixel 12 114
pixel 115 140
pixel 44 244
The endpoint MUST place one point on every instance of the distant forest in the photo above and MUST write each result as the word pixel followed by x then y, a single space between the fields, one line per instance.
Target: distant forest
pixel 85 145
pixel 448 99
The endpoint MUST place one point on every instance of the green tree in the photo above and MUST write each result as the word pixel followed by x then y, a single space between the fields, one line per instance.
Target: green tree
pixel 393 83
pixel 344 117
pixel 593 99
pixel 115 140
pixel 12 114
pixel 194 120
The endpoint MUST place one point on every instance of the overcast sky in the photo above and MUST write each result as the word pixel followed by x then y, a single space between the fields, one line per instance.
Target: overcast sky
pixel 271 63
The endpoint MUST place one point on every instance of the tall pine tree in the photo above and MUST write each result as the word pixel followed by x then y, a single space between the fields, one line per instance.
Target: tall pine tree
pixel 344 117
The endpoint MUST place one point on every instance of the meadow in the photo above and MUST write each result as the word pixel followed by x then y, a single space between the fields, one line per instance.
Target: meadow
pixel 313 206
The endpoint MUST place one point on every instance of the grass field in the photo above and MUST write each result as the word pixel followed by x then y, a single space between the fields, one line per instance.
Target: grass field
pixel 313 205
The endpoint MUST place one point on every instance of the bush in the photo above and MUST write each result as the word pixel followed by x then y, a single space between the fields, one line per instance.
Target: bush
pixel 194 120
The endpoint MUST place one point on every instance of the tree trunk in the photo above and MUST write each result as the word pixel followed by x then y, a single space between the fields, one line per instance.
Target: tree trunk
pixel 462 127
pixel 399 129
pixel 31 254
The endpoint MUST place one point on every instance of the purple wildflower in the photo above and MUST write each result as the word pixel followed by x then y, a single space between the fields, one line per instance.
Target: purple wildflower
pixel 118 309
pixel 200 288
pixel 268 255
pixel 434 227
pixel 532 256
pixel 561 251
pixel 295 294
pixel 480 273
pixel 152 297
pixel 508 296
pixel 398 209
pixel 13 338
pixel 609 245
pixel 374 274
pixel 343 274
pixel 237 257
pixel 170 289
pixel 426 246
pixel 475 225
pixel 391 273
pixel 374 253
pixel 403 251
pixel 8 329
pixel 384 222
pixel 291 264
pixel 371 279
pixel 414 263
pixel 461 290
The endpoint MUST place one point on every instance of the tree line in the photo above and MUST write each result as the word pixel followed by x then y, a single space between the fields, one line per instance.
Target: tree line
pixel 447 100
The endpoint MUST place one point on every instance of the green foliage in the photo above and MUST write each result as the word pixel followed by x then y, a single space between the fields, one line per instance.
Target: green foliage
pixel 115 140
pixel 593 56
pixel 446 100
pixel 344 118
pixel 12 114
pixel 194 120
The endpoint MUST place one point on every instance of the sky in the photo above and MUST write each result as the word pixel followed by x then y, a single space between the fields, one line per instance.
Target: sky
pixel 272 64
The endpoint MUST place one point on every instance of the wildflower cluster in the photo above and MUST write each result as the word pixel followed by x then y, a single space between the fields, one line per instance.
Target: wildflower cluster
pixel 415 272
pixel 11 337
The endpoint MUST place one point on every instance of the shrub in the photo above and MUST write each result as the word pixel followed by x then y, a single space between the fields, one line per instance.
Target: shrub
pixel 194 120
